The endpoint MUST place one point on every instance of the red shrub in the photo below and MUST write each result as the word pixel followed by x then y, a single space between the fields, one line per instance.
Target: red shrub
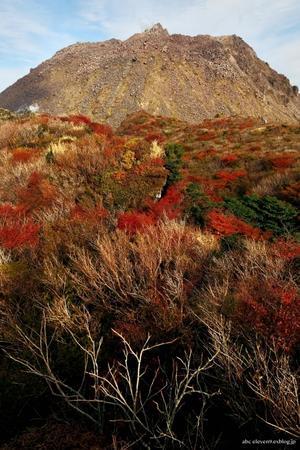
pixel 111 155
pixel 38 193
pixel 211 188
pixel 286 249
pixel 187 157
pixel 229 158
pixel 156 161
pixel 153 166
pixel 132 330
pixel 169 205
pixel 283 162
pixel 8 211
pixel 194 179
pixel 135 221
pixel 78 119
pixel 101 129
pixel 248 123
pixel 19 235
pixel 223 122
pixel 270 310
pixel 207 136
pixel 150 137
pixel 226 225
pixel 231 175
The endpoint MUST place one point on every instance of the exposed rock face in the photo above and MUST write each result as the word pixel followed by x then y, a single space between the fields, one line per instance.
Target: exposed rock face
pixel 190 78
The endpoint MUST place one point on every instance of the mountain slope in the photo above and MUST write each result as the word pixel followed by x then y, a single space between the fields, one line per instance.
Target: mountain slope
pixel 190 78
pixel 162 252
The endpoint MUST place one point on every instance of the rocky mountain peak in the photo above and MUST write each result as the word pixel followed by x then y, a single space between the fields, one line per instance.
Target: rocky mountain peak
pixel 157 29
pixel 187 77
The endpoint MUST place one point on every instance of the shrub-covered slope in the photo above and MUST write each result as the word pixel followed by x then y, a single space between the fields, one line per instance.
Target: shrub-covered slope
pixel 149 281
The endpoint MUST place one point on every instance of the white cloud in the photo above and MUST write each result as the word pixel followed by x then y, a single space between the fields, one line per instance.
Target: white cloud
pixel 286 60
pixel 27 37
pixel 20 27
pixel 191 16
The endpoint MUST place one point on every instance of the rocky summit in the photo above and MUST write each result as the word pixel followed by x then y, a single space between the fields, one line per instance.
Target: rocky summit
pixel 186 77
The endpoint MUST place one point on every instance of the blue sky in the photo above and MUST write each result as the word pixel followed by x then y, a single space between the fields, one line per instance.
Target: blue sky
pixel 33 30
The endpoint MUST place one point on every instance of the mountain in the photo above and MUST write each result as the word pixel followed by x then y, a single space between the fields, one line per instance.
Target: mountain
pixel 188 78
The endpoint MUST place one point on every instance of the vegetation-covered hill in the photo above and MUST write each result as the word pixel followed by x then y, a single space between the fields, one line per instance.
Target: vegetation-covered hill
pixel 149 282
pixel 186 77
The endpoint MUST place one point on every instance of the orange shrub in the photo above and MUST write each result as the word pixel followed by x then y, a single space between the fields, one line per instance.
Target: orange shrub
pixel 150 137
pixel 78 119
pixel 23 155
pixel 38 193
pixel 119 176
pixel 101 129
pixel 43 119
pixel 92 215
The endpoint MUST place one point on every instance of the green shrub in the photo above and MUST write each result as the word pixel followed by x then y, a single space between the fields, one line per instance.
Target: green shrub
pixel 267 213
pixel 174 153
pixel 197 203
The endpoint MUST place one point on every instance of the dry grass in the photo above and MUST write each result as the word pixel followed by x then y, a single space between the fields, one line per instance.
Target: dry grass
pixel 162 257
pixel 267 371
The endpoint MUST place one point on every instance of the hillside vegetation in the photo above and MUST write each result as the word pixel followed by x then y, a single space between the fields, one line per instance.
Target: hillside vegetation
pixel 149 282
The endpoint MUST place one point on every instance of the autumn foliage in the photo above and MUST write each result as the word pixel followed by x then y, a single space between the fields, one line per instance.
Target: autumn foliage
pixel 169 205
pixel 189 244
pixel 38 193
pixel 101 129
pixel 283 162
pixel 19 235
pixel 227 225
pixel 90 215
pixel 24 155
pixel 270 310
pixel 231 175
pixel 135 221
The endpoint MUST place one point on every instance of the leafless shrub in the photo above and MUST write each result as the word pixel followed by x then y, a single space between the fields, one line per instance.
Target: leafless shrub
pixel 142 396
pixel 122 386
pixel 17 175
pixel 260 366
pixel 277 386
pixel 256 261
pixel 271 184
pixel 8 132
pixel 157 266
pixel 37 346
